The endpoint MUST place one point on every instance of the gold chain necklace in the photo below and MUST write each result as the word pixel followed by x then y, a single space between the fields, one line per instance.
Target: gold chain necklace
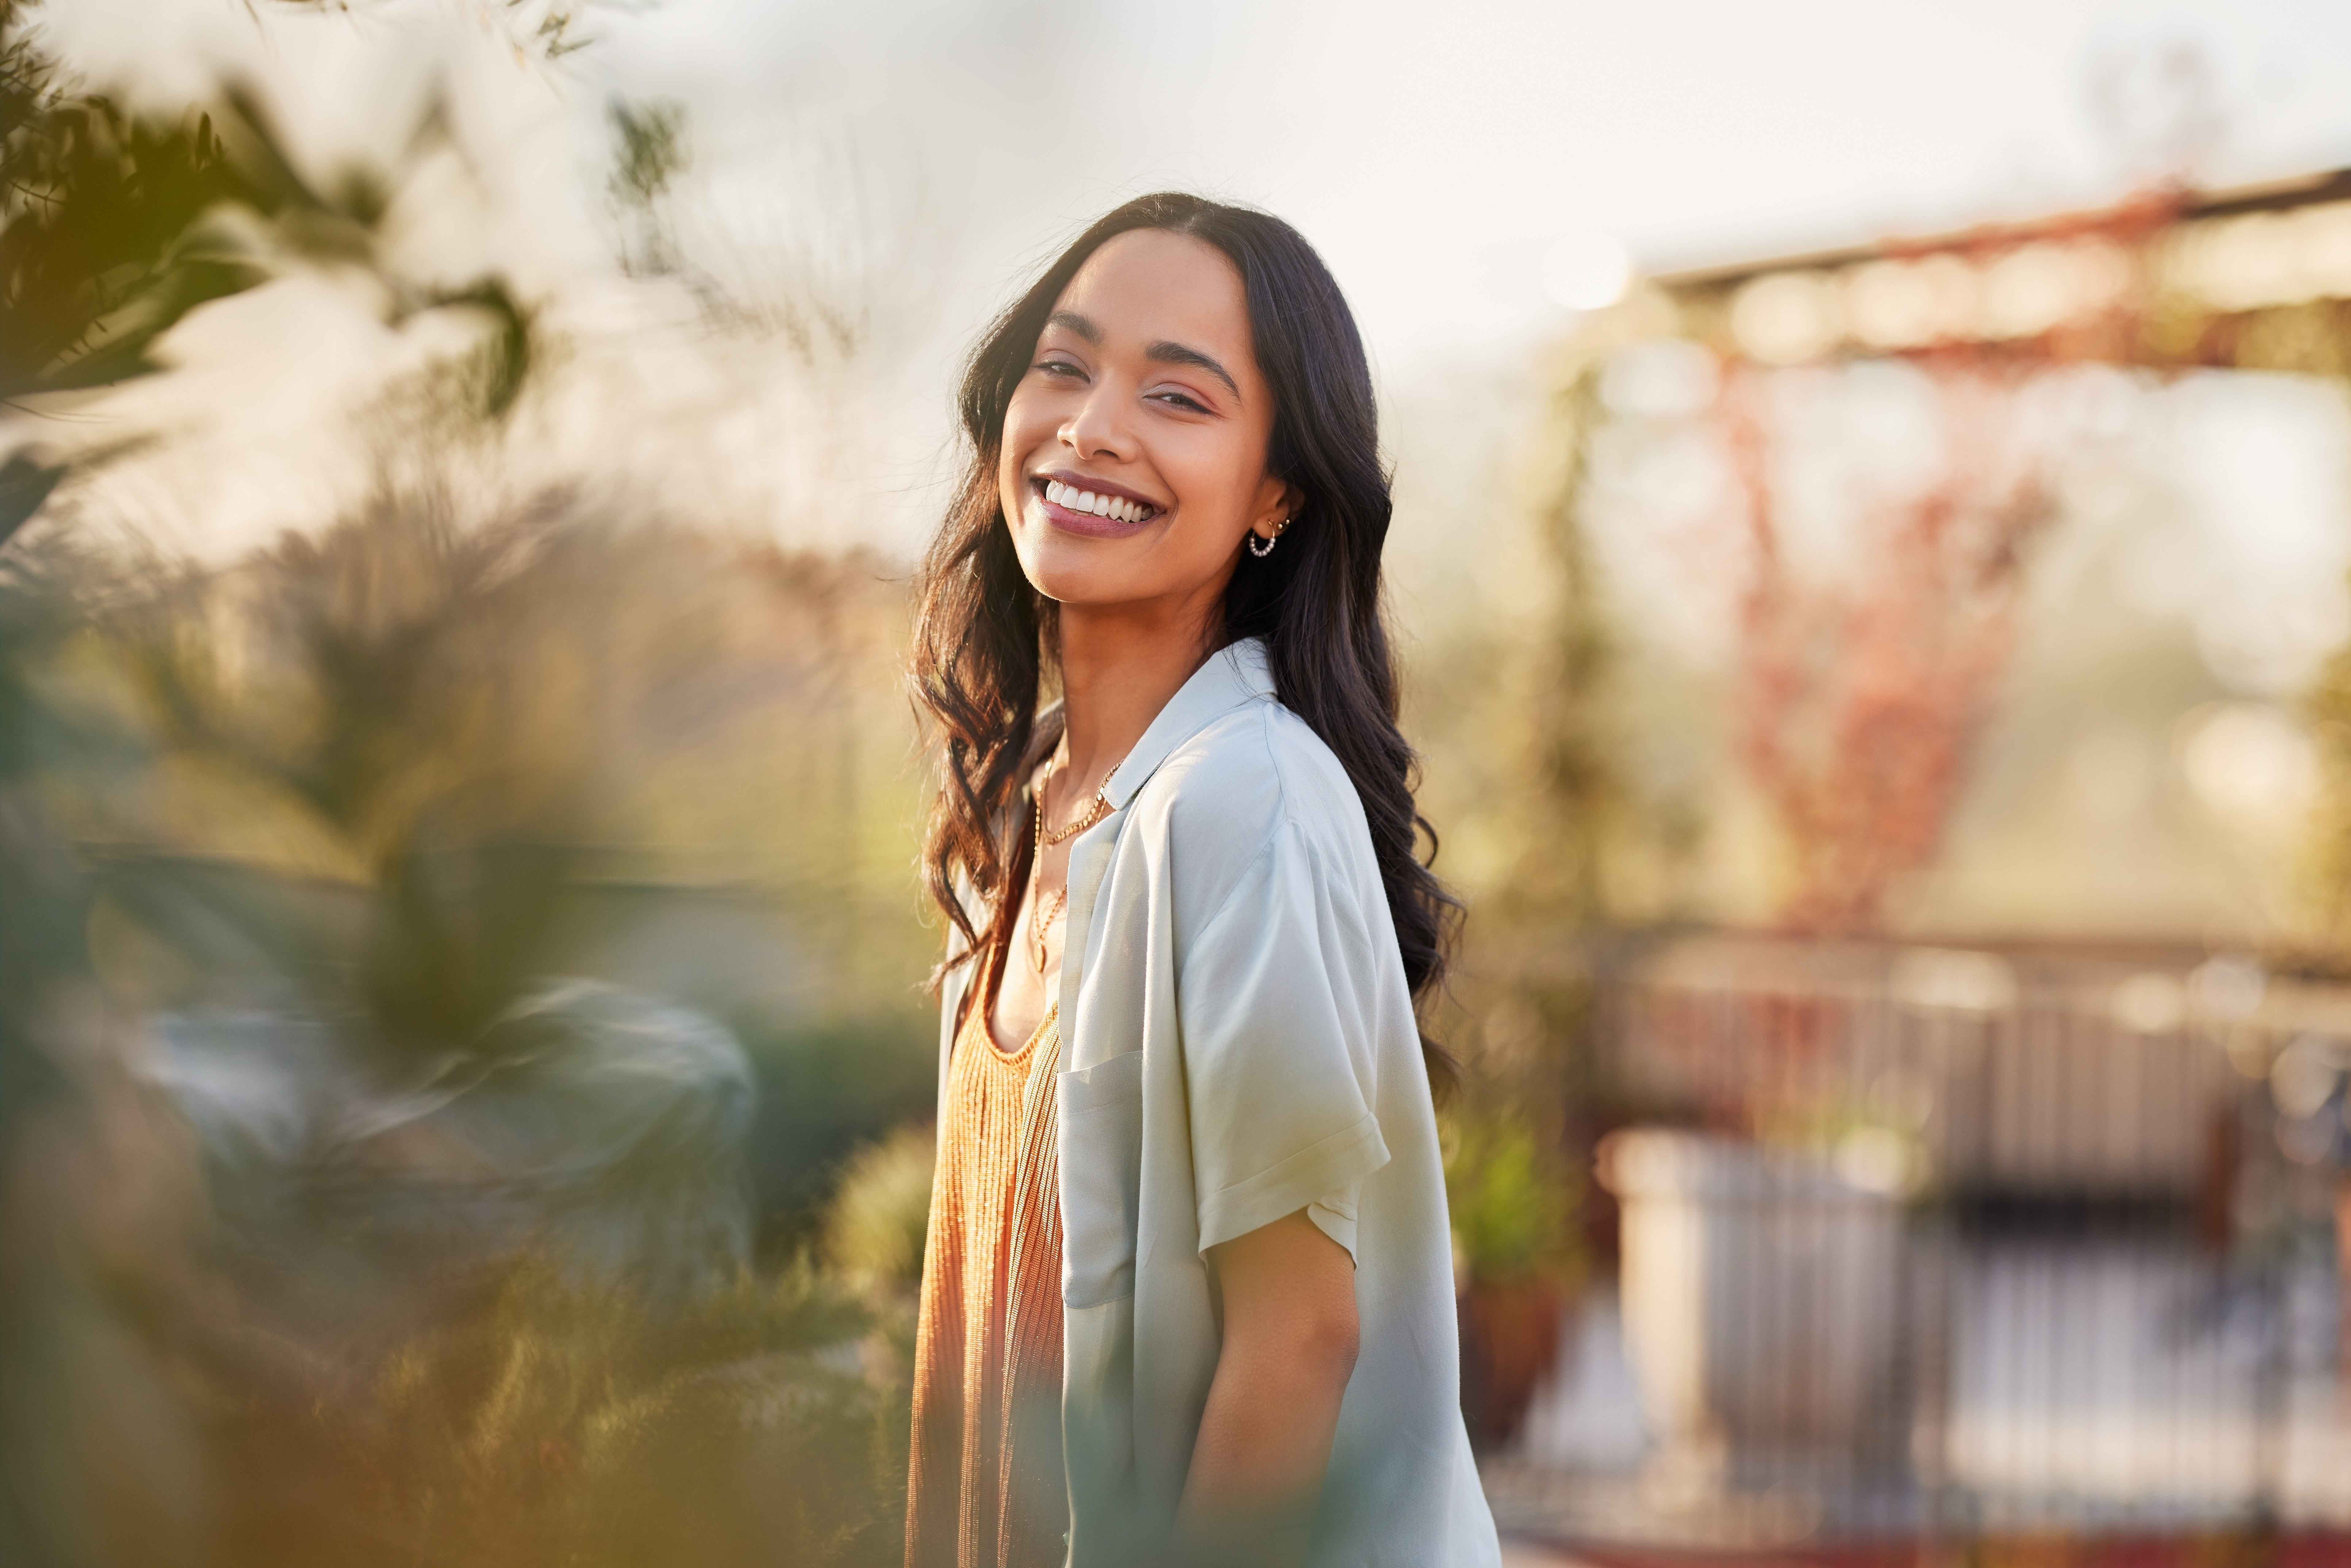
pixel 1047 838
pixel 1044 911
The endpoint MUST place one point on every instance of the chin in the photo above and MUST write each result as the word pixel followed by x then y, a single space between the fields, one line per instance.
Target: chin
pixel 1076 570
pixel 1052 572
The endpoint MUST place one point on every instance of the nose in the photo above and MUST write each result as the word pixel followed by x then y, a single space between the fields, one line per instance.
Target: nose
pixel 1098 427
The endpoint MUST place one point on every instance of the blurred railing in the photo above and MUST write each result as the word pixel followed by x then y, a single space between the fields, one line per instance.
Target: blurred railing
pixel 1922 1242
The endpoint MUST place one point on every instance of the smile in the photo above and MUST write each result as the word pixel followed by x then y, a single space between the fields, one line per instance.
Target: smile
pixel 1085 510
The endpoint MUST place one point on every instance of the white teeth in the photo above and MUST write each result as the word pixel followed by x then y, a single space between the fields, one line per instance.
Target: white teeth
pixel 1077 500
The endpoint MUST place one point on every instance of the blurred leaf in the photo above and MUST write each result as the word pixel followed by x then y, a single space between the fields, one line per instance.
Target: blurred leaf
pixel 1512 1200
pixel 102 243
pixel 542 1421
pixel 824 1095
pixel 23 485
pixel 652 150
pixel 504 359
pixel 877 1225
pixel 114 226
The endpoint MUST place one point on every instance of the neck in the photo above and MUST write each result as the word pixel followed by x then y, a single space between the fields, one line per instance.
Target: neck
pixel 1120 663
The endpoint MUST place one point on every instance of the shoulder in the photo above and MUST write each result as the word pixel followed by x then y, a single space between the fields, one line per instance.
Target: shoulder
pixel 1253 786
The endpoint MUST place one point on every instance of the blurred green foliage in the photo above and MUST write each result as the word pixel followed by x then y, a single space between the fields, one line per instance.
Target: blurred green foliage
pixel 2324 945
pixel 874 1235
pixel 1513 1196
pixel 97 255
pixel 826 1094
pixel 115 226
pixel 364 793
pixel 405 769
pixel 337 877
pixel 532 1420
pixel 560 1424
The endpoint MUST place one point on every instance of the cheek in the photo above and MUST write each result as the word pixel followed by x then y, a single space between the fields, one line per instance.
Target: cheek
pixel 1007 479
pixel 1216 475
pixel 1009 461
pixel 1026 424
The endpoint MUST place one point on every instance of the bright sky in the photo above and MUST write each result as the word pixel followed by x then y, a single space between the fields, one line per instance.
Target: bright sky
pixel 1436 152
pixel 915 161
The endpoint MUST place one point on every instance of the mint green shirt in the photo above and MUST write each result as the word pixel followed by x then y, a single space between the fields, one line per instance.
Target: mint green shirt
pixel 1238 1044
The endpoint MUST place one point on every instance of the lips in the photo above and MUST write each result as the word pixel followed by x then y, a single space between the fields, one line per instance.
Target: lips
pixel 1080 504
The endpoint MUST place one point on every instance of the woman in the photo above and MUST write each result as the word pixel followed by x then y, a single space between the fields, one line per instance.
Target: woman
pixel 1188 1291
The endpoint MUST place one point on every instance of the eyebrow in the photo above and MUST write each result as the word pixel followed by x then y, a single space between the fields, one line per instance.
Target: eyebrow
pixel 1161 352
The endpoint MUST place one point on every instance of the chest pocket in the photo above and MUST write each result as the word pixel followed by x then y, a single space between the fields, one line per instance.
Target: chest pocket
pixel 1100 1111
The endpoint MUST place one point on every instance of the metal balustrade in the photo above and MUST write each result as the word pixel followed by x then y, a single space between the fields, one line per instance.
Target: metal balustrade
pixel 1925 1243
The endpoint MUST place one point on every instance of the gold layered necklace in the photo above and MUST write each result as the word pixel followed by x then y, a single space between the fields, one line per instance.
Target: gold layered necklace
pixel 1044 911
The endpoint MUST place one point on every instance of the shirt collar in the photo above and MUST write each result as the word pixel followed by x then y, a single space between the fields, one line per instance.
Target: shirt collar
pixel 1234 674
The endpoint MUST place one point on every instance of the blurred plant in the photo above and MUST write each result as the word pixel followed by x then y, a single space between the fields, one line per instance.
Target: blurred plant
pixel 373 699
pixel 336 1225
pixel 1859 701
pixel 47 592
pixel 114 225
pixel 362 788
pixel 97 210
pixel 1514 1199
pixel 652 151
pixel 875 1232
pixel 455 714
pixel 826 1090
pixel 545 1421
pixel 880 1218
pixel 1578 805
pixel 2324 941
pixel 527 1417
pixel 44 985
pixel 349 802
pixel 598 1127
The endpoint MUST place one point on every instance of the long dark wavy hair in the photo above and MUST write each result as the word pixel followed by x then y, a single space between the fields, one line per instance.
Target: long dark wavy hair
pixel 984 638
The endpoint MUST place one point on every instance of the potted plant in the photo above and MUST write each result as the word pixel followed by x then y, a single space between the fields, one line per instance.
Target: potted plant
pixel 1513 1198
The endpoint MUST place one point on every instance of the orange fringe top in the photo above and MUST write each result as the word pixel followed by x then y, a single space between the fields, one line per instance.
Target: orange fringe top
pixel 986 1486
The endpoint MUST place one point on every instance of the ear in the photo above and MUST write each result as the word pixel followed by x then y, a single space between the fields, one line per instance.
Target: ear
pixel 1278 502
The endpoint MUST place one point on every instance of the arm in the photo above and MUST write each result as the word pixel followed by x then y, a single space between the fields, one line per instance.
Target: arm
pixel 1290 1337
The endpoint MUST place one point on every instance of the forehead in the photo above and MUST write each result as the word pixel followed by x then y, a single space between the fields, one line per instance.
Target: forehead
pixel 1148 285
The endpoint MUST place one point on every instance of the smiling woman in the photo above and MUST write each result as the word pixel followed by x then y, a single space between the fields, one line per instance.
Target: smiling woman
pixel 1117 425
pixel 1187 1289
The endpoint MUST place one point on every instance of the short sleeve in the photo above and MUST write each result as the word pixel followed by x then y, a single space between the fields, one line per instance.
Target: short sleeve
pixel 1333 1214
pixel 1274 998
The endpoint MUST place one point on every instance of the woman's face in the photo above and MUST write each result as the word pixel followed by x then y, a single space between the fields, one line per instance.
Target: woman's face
pixel 1134 446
